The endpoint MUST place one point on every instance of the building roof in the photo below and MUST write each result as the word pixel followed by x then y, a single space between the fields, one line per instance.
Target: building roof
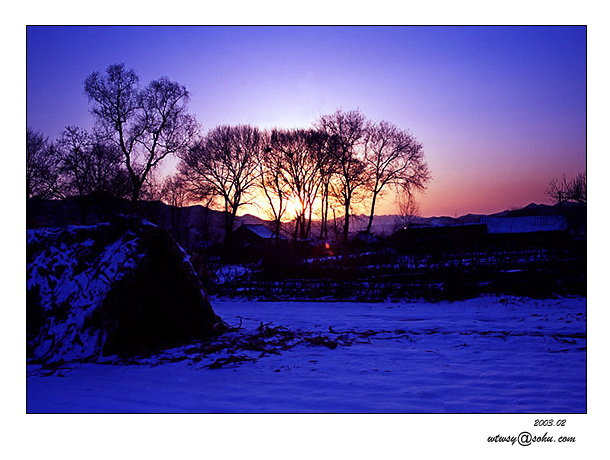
pixel 529 224
pixel 261 231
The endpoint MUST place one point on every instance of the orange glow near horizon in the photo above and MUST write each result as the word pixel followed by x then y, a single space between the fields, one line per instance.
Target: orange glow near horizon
pixel 293 208
pixel 500 111
pixel 448 198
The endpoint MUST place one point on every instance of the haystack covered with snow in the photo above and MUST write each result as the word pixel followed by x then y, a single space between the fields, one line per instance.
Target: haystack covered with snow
pixel 123 288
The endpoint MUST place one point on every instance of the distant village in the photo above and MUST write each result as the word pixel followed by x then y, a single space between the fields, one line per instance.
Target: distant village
pixel 522 251
pixel 200 228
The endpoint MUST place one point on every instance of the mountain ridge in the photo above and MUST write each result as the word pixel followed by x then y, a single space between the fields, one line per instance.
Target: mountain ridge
pixel 191 225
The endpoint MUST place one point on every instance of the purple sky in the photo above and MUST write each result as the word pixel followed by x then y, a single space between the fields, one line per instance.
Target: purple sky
pixel 500 110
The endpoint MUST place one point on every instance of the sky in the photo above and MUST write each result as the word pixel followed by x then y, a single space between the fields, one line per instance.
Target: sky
pixel 500 111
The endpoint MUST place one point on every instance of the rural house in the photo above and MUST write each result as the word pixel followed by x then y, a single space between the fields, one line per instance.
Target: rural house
pixel 418 239
pixel 526 231
pixel 253 241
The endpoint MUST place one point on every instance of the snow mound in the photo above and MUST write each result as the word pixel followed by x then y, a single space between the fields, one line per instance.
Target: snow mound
pixel 122 288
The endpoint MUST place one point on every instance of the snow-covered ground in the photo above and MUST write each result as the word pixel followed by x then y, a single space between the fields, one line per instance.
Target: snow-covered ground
pixel 483 355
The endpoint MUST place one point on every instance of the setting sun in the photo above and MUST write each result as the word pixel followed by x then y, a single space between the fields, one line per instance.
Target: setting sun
pixel 294 208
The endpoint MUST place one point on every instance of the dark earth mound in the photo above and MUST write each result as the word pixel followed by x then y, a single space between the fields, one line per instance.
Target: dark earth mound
pixel 123 288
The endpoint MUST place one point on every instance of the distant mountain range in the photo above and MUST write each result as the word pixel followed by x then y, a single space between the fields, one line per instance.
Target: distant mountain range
pixel 390 223
pixel 193 225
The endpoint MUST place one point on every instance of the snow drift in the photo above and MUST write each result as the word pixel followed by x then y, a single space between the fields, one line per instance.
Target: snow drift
pixel 123 288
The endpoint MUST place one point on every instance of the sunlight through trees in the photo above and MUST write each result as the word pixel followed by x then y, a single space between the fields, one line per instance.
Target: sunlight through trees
pixel 290 176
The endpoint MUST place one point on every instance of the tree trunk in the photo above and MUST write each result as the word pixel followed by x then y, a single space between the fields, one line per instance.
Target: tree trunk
pixel 278 224
pixel 137 187
pixel 229 221
pixel 324 224
pixel 296 229
pixel 307 233
pixel 371 216
pixel 229 228
pixel 135 197
pixel 346 223
pixel 303 228
pixel 335 224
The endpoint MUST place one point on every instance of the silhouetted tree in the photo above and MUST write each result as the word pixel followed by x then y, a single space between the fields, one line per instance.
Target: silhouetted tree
pixel 174 191
pixel 146 124
pixel 300 171
pixel 90 163
pixel 42 167
pixel 408 209
pixel 272 184
pixel 153 187
pixel 572 190
pixel 74 146
pixel 578 188
pixel 393 157
pixel 224 165
pixel 347 129
pixel 325 152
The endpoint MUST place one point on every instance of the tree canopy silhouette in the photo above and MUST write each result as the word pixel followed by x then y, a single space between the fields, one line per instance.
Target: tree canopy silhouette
pixel 223 165
pixel 563 190
pixel 147 124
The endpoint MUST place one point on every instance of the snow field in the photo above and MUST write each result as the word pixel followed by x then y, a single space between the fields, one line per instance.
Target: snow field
pixel 483 355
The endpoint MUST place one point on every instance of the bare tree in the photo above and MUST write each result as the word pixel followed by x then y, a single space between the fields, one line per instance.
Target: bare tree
pixel 578 188
pixel 557 191
pixel 74 146
pixel 224 165
pixel 174 191
pixel 89 163
pixel 347 129
pixel 146 124
pixel 326 155
pixel 408 209
pixel 298 150
pixel 325 195
pixel 572 190
pixel 393 158
pixel 42 169
pixel 272 184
